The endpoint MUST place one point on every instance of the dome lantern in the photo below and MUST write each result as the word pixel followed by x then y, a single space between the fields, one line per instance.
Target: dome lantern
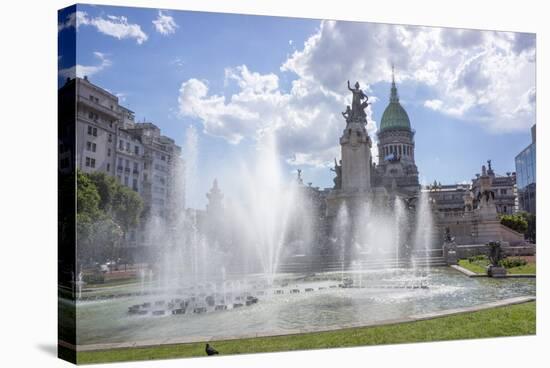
pixel 394 116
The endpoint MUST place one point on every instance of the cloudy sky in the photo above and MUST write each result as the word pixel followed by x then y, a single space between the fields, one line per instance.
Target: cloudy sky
pixel 470 94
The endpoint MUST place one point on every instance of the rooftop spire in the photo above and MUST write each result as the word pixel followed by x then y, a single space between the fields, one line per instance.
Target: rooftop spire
pixel 393 96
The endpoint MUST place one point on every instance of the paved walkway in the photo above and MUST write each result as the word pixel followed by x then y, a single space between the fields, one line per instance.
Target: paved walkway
pixel 196 339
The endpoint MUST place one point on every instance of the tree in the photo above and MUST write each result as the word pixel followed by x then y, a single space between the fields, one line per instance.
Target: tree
pixel 531 231
pixel 106 187
pixel 515 222
pixel 87 196
pixel 106 210
pixel 126 207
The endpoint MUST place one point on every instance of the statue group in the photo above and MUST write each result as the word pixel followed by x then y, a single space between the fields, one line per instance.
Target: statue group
pixel 338 171
pixel 359 103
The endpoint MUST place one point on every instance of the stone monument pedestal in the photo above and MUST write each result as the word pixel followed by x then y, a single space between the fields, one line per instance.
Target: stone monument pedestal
pixel 449 252
pixel 496 271
pixel 452 258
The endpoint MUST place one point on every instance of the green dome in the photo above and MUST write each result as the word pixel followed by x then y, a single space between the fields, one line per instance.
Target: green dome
pixel 395 116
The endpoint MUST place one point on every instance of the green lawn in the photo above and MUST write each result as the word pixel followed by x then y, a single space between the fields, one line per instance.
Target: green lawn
pixel 479 266
pixel 530 268
pixel 116 282
pixel 503 321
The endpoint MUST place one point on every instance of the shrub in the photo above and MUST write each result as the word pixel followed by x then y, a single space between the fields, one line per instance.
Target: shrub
pixel 94 278
pixel 513 262
pixel 478 258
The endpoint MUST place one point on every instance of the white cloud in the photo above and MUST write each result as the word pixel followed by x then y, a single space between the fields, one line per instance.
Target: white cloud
pixel 121 97
pixel 165 24
pixel 477 75
pixel 179 62
pixel 306 120
pixel 433 104
pixel 70 21
pixel 115 26
pixel 86 70
pixel 485 78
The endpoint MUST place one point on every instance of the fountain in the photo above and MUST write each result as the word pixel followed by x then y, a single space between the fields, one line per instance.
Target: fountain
pixel 269 259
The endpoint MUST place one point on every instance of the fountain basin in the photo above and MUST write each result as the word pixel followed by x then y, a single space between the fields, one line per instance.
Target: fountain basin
pixel 383 296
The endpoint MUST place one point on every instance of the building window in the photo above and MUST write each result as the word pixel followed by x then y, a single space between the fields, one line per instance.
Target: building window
pixel 90 162
pixel 90 146
pixel 503 191
pixel 92 131
pixel 126 180
pixel 128 146
pixel 93 116
pixel 163 158
pixel 109 152
pixel 136 150
pixel 134 185
pixel 110 139
pixel 108 167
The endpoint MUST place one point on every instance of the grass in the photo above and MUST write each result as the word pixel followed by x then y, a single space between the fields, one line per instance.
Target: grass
pixel 115 282
pixel 479 266
pixel 529 268
pixel 511 320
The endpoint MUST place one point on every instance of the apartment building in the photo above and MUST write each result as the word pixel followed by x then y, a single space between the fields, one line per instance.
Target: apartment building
pixel 109 140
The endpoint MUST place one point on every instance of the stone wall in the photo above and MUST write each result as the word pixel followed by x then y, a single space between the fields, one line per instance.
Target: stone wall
pixel 465 251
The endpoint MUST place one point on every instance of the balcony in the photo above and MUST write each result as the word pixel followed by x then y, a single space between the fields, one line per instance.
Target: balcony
pixel 135 172
pixel 97 106
pixel 127 170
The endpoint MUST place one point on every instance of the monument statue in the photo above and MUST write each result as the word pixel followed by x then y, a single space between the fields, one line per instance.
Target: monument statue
pixel 486 194
pixel 338 170
pixel 347 114
pixel 299 176
pixel 448 237
pixel 449 248
pixel 495 256
pixel 495 253
pixel 358 105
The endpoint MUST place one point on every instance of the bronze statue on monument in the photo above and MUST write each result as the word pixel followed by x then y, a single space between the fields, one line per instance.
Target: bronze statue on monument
pixel 358 106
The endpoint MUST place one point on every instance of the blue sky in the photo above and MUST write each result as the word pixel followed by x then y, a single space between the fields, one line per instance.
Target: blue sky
pixel 470 95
